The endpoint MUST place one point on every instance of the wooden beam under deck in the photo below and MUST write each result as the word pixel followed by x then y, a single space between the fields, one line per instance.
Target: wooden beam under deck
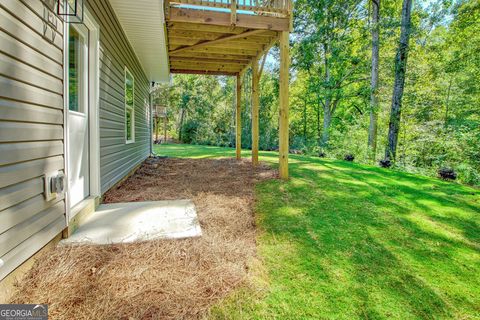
pixel 284 105
pixel 232 71
pixel 237 43
pixel 217 41
pixel 207 64
pixel 238 118
pixel 205 72
pixel 210 17
pixel 203 28
pixel 242 42
pixel 255 112
pixel 210 32
pixel 209 60
pixel 223 50
pixel 196 35
pixel 207 55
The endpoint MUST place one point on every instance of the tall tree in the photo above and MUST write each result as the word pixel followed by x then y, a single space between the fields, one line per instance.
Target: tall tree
pixel 372 130
pixel 399 84
pixel 327 49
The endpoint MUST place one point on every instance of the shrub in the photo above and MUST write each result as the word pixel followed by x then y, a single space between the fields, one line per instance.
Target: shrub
pixel 349 157
pixel 189 131
pixel 468 174
pixel 385 163
pixel 447 174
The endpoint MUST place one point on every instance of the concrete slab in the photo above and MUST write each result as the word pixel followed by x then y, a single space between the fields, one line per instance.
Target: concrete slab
pixel 138 221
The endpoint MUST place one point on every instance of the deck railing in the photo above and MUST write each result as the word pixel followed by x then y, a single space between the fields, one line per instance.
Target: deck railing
pixel 274 7
pixel 159 111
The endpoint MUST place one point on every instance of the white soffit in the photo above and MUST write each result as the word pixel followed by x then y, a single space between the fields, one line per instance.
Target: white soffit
pixel 144 24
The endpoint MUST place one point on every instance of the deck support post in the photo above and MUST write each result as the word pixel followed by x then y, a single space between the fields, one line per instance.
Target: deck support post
pixel 255 106
pixel 165 120
pixel 283 109
pixel 238 118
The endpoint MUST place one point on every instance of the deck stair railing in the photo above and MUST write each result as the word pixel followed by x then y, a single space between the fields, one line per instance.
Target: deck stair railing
pixel 159 111
pixel 262 7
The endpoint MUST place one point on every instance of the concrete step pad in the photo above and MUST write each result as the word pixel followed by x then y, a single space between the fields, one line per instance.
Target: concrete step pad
pixel 138 221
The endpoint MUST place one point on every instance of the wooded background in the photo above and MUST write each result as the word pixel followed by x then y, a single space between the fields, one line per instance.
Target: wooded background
pixel 339 105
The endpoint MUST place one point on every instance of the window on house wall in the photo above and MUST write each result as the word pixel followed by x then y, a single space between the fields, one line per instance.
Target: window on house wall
pixel 129 107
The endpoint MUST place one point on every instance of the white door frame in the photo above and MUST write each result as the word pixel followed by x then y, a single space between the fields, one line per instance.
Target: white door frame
pixel 93 105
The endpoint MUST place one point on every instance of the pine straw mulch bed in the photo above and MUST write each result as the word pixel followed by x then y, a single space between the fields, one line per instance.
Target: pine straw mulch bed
pixel 164 279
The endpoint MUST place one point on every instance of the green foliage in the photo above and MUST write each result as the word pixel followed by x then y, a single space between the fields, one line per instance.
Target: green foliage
pixel 329 49
pixel 129 88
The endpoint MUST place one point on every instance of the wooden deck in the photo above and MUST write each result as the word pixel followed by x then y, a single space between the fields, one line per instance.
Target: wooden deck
pixel 222 37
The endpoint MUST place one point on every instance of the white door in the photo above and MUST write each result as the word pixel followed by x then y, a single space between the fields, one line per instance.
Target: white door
pixel 78 114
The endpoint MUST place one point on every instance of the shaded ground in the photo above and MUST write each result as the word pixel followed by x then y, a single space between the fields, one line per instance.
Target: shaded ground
pixel 347 241
pixel 177 279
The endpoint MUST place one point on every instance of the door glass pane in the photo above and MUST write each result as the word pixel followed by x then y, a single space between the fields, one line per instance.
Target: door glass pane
pixel 76 49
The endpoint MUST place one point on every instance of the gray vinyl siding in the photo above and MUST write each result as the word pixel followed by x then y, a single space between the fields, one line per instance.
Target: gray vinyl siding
pixel 31 129
pixel 117 158
pixel 32 120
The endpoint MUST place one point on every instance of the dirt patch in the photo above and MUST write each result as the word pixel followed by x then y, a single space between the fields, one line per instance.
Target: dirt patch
pixel 165 279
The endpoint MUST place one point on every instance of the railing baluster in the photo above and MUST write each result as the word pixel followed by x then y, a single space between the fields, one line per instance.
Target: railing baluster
pixel 272 7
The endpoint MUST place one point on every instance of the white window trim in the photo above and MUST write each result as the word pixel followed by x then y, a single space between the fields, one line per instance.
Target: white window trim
pixel 127 107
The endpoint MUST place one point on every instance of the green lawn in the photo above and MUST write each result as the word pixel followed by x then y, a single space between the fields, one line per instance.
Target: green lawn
pixel 348 241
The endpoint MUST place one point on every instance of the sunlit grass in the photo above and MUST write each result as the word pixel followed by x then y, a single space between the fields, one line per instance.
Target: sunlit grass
pixel 345 241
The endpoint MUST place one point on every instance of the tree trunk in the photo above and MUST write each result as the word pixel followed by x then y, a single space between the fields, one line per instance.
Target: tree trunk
pixel 447 104
pixel 165 130
pixel 305 121
pixel 327 112
pixel 372 130
pixel 156 129
pixel 182 116
pixel 400 70
pixel 327 120
pixel 319 130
